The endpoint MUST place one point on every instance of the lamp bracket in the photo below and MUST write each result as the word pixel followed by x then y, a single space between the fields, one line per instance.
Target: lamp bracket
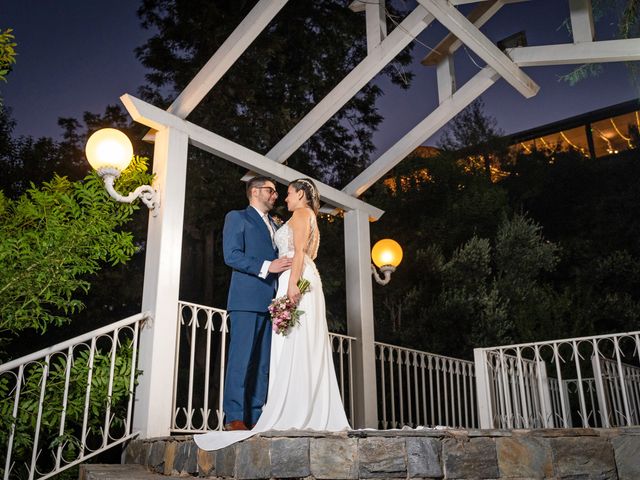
pixel 386 270
pixel 147 194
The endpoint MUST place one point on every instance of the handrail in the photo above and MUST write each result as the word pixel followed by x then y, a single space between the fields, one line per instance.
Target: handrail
pixel 67 343
pixel 418 388
pixel 198 387
pixel 526 385
pixel 70 401
pixel 423 352
pixel 562 340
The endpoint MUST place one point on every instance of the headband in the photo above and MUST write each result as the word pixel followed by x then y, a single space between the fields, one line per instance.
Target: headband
pixel 314 192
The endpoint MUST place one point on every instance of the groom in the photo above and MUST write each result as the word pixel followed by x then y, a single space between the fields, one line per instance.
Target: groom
pixel 249 249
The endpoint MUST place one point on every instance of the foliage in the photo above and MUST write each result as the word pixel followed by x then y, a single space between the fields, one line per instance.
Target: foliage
pixel 488 291
pixel 567 264
pixel 272 85
pixel 474 139
pixel 100 399
pixel 627 15
pixel 7 53
pixel 581 73
pixel 53 237
pixel 592 209
pixel 306 50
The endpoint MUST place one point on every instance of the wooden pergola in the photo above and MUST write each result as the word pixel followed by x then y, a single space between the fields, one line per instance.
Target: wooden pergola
pixel 173 134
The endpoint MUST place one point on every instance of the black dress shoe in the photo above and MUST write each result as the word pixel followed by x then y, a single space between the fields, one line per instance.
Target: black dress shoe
pixel 235 425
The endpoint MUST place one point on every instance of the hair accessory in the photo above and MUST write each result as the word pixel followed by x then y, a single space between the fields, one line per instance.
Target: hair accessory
pixel 314 192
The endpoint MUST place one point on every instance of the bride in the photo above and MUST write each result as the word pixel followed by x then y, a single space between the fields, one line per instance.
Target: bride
pixel 303 390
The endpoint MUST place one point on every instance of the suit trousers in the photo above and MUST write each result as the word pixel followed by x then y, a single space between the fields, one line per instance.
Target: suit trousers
pixel 247 379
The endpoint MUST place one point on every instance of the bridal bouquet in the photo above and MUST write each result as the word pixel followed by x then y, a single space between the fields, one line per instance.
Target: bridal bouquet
pixel 284 313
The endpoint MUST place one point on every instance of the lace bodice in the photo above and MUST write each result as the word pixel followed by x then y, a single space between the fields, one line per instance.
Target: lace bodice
pixel 284 240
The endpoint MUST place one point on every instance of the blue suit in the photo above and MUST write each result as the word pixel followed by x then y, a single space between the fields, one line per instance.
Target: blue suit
pixel 246 243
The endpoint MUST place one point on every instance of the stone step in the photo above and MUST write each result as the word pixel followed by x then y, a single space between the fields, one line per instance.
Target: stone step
pixel 401 454
pixel 97 471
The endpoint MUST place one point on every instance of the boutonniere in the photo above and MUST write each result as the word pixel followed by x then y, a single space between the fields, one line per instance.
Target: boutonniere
pixel 277 220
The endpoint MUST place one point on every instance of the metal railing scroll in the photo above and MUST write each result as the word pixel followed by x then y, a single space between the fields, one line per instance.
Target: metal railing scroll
pixel 201 352
pixel 576 382
pixel 69 402
pixel 418 388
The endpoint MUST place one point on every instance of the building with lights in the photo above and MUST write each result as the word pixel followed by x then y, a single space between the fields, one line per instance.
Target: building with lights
pixel 596 134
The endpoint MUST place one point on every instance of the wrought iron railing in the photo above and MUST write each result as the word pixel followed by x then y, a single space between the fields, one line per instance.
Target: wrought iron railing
pixel 342 347
pixel 583 382
pixel 418 388
pixel 200 359
pixel 69 402
pixel 200 365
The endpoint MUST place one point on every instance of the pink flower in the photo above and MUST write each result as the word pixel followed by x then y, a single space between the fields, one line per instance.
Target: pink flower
pixel 283 312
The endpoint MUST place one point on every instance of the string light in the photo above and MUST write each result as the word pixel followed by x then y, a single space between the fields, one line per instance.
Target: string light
pixel 546 145
pixel 620 133
pixel 601 135
pixel 581 149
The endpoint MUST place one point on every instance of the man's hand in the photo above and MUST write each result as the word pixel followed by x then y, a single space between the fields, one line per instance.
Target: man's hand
pixel 280 265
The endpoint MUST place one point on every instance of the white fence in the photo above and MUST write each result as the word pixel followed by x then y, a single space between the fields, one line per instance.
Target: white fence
pixel 87 385
pixel 200 355
pixel 200 365
pixel 69 402
pixel 418 388
pixel 415 388
pixel 577 382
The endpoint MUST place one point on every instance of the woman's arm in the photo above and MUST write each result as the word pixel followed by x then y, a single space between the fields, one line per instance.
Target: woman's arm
pixel 300 225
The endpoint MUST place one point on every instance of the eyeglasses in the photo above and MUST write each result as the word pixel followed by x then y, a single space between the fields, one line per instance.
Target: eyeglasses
pixel 269 189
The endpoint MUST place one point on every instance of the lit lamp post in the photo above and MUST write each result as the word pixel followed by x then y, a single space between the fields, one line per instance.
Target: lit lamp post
pixel 387 255
pixel 109 152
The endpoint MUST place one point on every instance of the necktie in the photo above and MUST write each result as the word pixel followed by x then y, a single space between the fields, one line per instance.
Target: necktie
pixel 269 226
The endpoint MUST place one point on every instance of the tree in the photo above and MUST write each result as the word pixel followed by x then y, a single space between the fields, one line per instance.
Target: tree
pixel 490 292
pixel 472 137
pixel 7 54
pixel 53 238
pixel 590 208
pixel 433 206
pixel 627 15
pixel 306 50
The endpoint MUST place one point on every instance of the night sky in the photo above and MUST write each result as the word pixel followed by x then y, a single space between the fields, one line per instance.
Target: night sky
pixel 77 55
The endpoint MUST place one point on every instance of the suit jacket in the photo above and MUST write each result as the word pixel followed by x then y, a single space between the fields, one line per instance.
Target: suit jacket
pixel 246 244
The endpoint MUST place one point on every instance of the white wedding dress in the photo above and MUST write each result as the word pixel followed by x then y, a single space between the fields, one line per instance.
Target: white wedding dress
pixel 303 390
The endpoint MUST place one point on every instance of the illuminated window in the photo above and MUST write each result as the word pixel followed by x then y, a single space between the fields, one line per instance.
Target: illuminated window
pixel 616 134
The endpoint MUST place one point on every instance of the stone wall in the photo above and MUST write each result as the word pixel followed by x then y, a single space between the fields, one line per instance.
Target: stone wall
pixel 396 454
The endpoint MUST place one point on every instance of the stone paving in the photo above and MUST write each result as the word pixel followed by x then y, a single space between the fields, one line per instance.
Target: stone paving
pixel 403 454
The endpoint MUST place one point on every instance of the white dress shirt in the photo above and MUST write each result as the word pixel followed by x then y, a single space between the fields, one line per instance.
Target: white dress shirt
pixel 264 271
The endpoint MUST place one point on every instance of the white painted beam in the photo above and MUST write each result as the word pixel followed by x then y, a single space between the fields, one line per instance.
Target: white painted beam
pixel 627 50
pixel 491 8
pixel 426 128
pixel 446 76
pixel 469 34
pixel 384 53
pixel 478 16
pixel 156 118
pixel 244 34
pixel 376 19
pixel 581 15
